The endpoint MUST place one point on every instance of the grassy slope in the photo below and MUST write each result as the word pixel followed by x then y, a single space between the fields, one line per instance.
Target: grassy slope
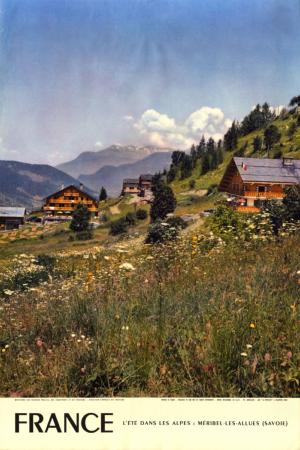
pixel 179 324
pixel 289 146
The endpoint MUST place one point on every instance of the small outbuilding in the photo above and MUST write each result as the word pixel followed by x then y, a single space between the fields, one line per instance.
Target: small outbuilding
pixel 11 217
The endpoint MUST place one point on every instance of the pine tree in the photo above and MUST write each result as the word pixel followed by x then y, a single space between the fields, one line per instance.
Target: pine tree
pixel 220 154
pixel 186 166
pixel 193 155
pixel 80 219
pixel 231 137
pixel 257 144
pixel 205 164
pixel 103 194
pixel 164 202
pixel 201 148
pixel 295 101
pixel 272 136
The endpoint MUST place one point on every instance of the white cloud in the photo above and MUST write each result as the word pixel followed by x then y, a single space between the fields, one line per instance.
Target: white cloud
pixel 163 131
pixel 277 109
pixel 98 144
pixel 128 118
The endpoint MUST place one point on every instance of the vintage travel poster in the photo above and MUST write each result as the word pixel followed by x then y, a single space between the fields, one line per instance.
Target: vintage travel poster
pixel 149 224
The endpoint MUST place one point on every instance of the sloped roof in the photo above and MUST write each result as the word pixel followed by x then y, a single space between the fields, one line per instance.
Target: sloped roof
pixel 82 189
pixel 131 181
pixel 268 170
pixel 146 177
pixel 10 211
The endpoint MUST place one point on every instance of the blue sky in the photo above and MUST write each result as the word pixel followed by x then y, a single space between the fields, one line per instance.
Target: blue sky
pixel 83 74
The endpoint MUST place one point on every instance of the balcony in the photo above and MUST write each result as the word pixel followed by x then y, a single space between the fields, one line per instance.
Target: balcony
pixel 247 209
pixel 264 195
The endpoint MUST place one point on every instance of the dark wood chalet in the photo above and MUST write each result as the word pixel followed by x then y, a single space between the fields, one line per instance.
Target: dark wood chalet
pixel 252 181
pixel 11 217
pixel 66 199
pixel 130 186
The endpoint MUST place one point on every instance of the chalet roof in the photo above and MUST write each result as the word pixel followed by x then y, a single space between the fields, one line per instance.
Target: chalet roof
pixel 9 211
pixel 146 177
pixel 130 181
pixel 79 189
pixel 268 170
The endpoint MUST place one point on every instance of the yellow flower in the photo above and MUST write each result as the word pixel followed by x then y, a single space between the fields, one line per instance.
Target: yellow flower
pixel 252 325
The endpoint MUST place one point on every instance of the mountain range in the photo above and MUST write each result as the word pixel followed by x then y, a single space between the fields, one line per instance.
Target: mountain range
pixel 112 176
pixel 90 162
pixel 23 184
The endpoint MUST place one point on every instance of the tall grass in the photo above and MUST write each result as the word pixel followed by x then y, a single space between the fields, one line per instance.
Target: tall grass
pixel 158 321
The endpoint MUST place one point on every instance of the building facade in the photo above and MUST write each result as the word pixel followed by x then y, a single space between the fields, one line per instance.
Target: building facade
pixel 140 186
pixel 11 217
pixel 66 200
pixel 130 186
pixel 249 182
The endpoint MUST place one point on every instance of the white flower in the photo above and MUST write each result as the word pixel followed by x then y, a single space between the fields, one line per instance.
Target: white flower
pixel 244 354
pixel 127 266
pixel 107 258
pixel 8 292
pixel 249 346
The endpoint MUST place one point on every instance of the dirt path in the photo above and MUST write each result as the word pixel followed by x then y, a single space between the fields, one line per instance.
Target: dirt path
pixel 115 209
pixel 193 226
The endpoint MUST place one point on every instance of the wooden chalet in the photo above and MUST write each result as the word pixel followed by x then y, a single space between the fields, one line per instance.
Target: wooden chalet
pixel 66 199
pixel 252 181
pixel 130 186
pixel 139 186
pixel 11 217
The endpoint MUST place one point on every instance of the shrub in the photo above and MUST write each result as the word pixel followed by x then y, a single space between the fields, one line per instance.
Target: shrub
pixel 141 214
pixel 160 232
pixel 84 235
pixel 276 212
pixel 118 226
pixel 130 218
pixel 176 222
pixel 80 219
pixel 46 261
pixel 277 153
pixel 192 184
pixel 212 189
pixel 164 202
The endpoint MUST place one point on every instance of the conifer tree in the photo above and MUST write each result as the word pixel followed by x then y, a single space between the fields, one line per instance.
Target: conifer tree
pixel 80 219
pixel 205 164
pixel 103 194
pixel 164 201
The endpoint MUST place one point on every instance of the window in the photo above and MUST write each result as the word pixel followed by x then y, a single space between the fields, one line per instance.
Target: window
pixel 261 189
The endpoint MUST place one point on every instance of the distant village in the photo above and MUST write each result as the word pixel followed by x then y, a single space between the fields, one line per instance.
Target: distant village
pixel 60 205
pixel 247 183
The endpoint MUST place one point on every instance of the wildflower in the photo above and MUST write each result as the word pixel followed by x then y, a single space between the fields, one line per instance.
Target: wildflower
pixel 82 336
pixel 289 355
pixel 8 292
pixel 127 266
pixel 107 258
pixel 244 354
pixel 73 335
pixel 267 357
pixel 252 325
pixel 39 342
pixel 249 346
